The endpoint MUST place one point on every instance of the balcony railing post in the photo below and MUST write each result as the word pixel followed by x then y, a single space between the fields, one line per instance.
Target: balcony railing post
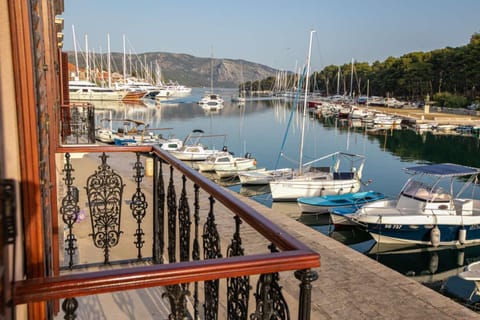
pixel 306 277
pixel 158 211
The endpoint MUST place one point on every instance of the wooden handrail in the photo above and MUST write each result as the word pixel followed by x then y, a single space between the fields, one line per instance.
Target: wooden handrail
pixel 83 284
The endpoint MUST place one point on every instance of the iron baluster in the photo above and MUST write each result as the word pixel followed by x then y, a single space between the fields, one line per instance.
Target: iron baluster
pixel 104 192
pixel 196 246
pixel 237 288
pixel 211 247
pixel 172 215
pixel 306 277
pixel 159 211
pixel 69 307
pixel 70 209
pixel 184 223
pixel 139 205
pixel 270 303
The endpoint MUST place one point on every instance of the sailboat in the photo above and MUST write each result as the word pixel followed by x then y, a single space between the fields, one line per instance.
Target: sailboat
pixel 210 100
pixel 312 180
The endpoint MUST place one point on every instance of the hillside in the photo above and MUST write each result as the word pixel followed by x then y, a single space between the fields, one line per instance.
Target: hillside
pixel 186 69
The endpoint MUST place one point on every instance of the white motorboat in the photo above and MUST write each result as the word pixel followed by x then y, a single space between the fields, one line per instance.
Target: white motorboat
pixel 227 162
pixel 425 212
pixel 193 153
pixel 194 150
pixel 211 101
pixel 105 135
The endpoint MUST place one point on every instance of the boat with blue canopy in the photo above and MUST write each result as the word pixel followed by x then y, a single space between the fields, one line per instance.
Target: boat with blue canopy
pixel 428 210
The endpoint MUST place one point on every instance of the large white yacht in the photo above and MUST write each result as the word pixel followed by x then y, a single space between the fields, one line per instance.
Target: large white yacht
pixel 86 90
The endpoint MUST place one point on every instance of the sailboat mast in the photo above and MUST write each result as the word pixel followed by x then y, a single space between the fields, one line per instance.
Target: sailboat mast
pixel 87 64
pixel 351 81
pixel 124 62
pixel 109 62
pixel 305 102
pixel 76 54
pixel 338 81
pixel 211 72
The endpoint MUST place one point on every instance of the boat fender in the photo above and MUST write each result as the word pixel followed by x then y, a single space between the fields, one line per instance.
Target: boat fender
pixel 462 235
pixel 435 236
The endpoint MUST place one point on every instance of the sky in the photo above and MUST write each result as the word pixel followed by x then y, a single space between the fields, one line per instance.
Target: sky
pixel 274 33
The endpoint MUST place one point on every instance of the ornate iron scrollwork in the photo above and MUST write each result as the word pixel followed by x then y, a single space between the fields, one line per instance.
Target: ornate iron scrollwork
pixel 211 247
pixel 70 209
pixel 269 298
pixel 237 288
pixel 139 205
pixel 104 193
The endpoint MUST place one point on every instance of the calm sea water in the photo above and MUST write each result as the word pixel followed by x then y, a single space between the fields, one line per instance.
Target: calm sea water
pixel 259 127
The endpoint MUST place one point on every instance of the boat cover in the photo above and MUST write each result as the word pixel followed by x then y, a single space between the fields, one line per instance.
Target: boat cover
pixel 444 169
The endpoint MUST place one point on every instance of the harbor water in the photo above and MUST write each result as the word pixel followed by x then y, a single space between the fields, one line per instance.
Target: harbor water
pixel 259 127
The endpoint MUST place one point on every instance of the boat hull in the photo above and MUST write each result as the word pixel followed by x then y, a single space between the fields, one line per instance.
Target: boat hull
pixel 417 229
pixel 291 190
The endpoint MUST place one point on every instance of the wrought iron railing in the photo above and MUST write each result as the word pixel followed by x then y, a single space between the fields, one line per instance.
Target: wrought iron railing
pixel 186 237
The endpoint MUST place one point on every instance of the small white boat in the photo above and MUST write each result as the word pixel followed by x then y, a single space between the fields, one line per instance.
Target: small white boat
pixel 211 101
pixel 264 176
pixel 194 150
pixel 316 181
pixel 104 135
pixel 193 153
pixel 227 162
pixel 170 144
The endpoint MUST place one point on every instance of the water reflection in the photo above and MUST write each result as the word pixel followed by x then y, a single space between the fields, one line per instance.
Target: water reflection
pixel 259 127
